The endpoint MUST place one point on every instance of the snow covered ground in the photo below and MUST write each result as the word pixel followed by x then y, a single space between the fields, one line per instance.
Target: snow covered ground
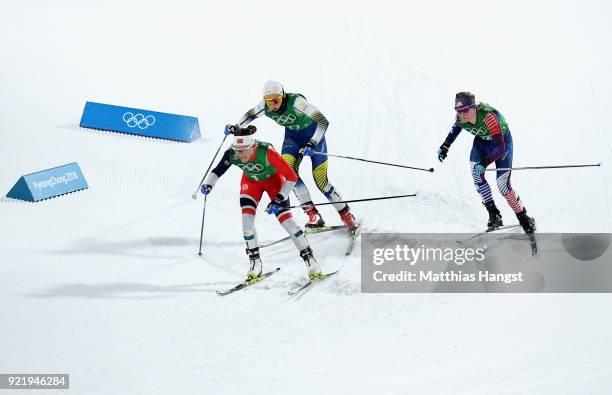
pixel 105 284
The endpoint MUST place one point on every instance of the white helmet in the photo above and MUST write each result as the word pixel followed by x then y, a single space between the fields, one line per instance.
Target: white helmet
pixel 243 142
pixel 273 88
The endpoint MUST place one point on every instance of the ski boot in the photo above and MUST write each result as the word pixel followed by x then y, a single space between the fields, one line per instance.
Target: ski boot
pixel 314 218
pixel 348 219
pixel 256 267
pixel 527 222
pixel 495 218
pixel 314 269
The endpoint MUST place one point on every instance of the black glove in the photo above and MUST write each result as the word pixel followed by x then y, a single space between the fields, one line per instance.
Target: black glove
pixel 308 149
pixel 442 152
pixel 230 129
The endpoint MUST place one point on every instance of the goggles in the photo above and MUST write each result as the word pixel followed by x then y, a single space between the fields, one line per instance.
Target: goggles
pixel 463 110
pixel 273 99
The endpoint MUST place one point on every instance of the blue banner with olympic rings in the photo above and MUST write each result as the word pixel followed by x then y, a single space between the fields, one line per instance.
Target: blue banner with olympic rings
pixel 140 122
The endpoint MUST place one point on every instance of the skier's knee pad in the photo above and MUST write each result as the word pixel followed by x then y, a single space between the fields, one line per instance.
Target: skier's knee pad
pixel 248 205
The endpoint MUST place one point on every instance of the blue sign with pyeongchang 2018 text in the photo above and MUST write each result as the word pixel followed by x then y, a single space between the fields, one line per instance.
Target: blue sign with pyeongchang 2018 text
pixel 140 122
pixel 49 183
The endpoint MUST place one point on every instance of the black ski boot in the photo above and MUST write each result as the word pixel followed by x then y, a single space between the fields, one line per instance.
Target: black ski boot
pixel 527 222
pixel 314 270
pixel 495 218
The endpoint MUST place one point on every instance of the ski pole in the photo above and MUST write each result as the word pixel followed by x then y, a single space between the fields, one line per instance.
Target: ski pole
pixel 544 167
pixel 373 161
pixel 360 200
pixel 202 229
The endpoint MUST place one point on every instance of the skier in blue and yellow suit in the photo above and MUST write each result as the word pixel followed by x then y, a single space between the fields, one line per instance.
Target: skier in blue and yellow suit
pixel 305 128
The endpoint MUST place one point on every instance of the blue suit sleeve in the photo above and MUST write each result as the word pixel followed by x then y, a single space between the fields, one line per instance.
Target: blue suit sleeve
pixel 452 135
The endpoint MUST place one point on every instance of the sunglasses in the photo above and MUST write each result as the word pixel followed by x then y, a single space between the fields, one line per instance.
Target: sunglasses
pixel 463 110
pixel 273 99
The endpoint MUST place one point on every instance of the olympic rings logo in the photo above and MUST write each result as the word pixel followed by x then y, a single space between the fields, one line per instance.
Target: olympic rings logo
pixel 479 132
pixel 284 119
pixel 254 167
pixel 139 120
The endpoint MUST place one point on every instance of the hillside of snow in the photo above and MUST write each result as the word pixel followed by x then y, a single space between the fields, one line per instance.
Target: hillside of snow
pixel 105 284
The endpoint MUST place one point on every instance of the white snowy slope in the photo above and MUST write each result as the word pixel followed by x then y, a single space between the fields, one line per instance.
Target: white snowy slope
pixel 106 285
